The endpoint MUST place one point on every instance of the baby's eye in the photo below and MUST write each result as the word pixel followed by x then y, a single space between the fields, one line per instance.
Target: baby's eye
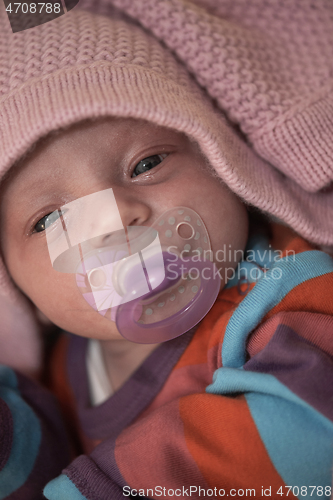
pixel 46 221
pixel 148 163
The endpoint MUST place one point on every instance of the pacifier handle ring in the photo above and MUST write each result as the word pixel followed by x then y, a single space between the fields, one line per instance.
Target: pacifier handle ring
pixel 161 331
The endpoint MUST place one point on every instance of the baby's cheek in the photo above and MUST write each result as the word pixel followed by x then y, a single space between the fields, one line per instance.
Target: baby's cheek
pixel 50 291
pixel 229 241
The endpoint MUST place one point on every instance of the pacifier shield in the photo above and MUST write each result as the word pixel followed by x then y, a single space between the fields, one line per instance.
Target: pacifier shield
pixel 190 286
pixel 183 239
pixel 154 282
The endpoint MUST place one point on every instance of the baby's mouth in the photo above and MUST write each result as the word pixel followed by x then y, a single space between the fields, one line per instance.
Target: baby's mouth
pixel 138 276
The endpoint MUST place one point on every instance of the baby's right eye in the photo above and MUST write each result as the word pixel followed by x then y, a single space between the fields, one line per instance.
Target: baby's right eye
pixel 46 221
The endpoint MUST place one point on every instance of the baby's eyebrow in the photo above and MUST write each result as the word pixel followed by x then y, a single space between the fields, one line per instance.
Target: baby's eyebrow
pixel 34 199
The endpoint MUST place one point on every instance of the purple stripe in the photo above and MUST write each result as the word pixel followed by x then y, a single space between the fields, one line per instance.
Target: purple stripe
pixel 300 366
pixel 92 482
pixel 6 433
pixel 117 412
pixel 51 460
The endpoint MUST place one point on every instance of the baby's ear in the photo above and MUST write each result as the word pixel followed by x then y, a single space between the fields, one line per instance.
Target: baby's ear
pixel 20 336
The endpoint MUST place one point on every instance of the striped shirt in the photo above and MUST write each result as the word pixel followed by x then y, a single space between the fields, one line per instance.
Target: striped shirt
pixel 242 405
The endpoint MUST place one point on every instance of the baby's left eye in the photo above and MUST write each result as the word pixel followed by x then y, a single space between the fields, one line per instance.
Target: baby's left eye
pixel 148 163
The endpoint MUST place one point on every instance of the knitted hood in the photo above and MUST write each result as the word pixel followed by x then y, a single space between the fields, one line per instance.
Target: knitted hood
pixel 86 64
pixel 268 64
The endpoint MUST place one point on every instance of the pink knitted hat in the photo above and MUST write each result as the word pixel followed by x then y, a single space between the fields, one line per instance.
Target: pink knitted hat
pixel 84 65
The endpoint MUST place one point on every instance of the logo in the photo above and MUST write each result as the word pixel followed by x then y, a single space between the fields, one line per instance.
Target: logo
pixel 23 16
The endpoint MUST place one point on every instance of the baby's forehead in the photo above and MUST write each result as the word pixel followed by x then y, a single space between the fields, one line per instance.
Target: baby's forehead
pixel 88 131
pixel 119 126
pixel 23 167
pixel 65 151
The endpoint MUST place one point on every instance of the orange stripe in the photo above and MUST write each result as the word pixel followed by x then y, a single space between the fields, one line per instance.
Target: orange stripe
pixel 314 295
pixel 153 452
pixel 190 379
pixel 316 328
pixel 297 245
pixel 224 442
pixel 211 330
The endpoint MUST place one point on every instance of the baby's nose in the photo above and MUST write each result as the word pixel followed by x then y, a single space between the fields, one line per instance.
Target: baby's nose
pixel 112 239
pixel 93 217
pixel 100 219
pixel 134 211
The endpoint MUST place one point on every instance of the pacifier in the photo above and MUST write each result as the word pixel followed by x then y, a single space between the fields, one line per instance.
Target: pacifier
pixel 156 282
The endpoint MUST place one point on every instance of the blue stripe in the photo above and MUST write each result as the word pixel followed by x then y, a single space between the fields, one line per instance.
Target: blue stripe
pixel 247 272
pixel 8 377
pixel 62 488
pixel 260 251
pixel 297 438
pixel 259 254
pixel 283 276
pixel 26 436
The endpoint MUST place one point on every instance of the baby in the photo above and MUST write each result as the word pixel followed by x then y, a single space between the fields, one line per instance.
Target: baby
pixel 150 169
pixel 236 404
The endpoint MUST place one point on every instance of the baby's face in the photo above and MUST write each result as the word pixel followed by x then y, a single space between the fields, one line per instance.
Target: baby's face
pixel 93 157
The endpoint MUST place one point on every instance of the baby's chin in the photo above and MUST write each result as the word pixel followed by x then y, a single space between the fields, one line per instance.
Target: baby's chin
pixel 105 330
pixel 86 323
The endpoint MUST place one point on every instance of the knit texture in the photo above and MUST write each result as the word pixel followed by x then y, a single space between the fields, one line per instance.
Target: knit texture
pixel 268 63
pixel 85 65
